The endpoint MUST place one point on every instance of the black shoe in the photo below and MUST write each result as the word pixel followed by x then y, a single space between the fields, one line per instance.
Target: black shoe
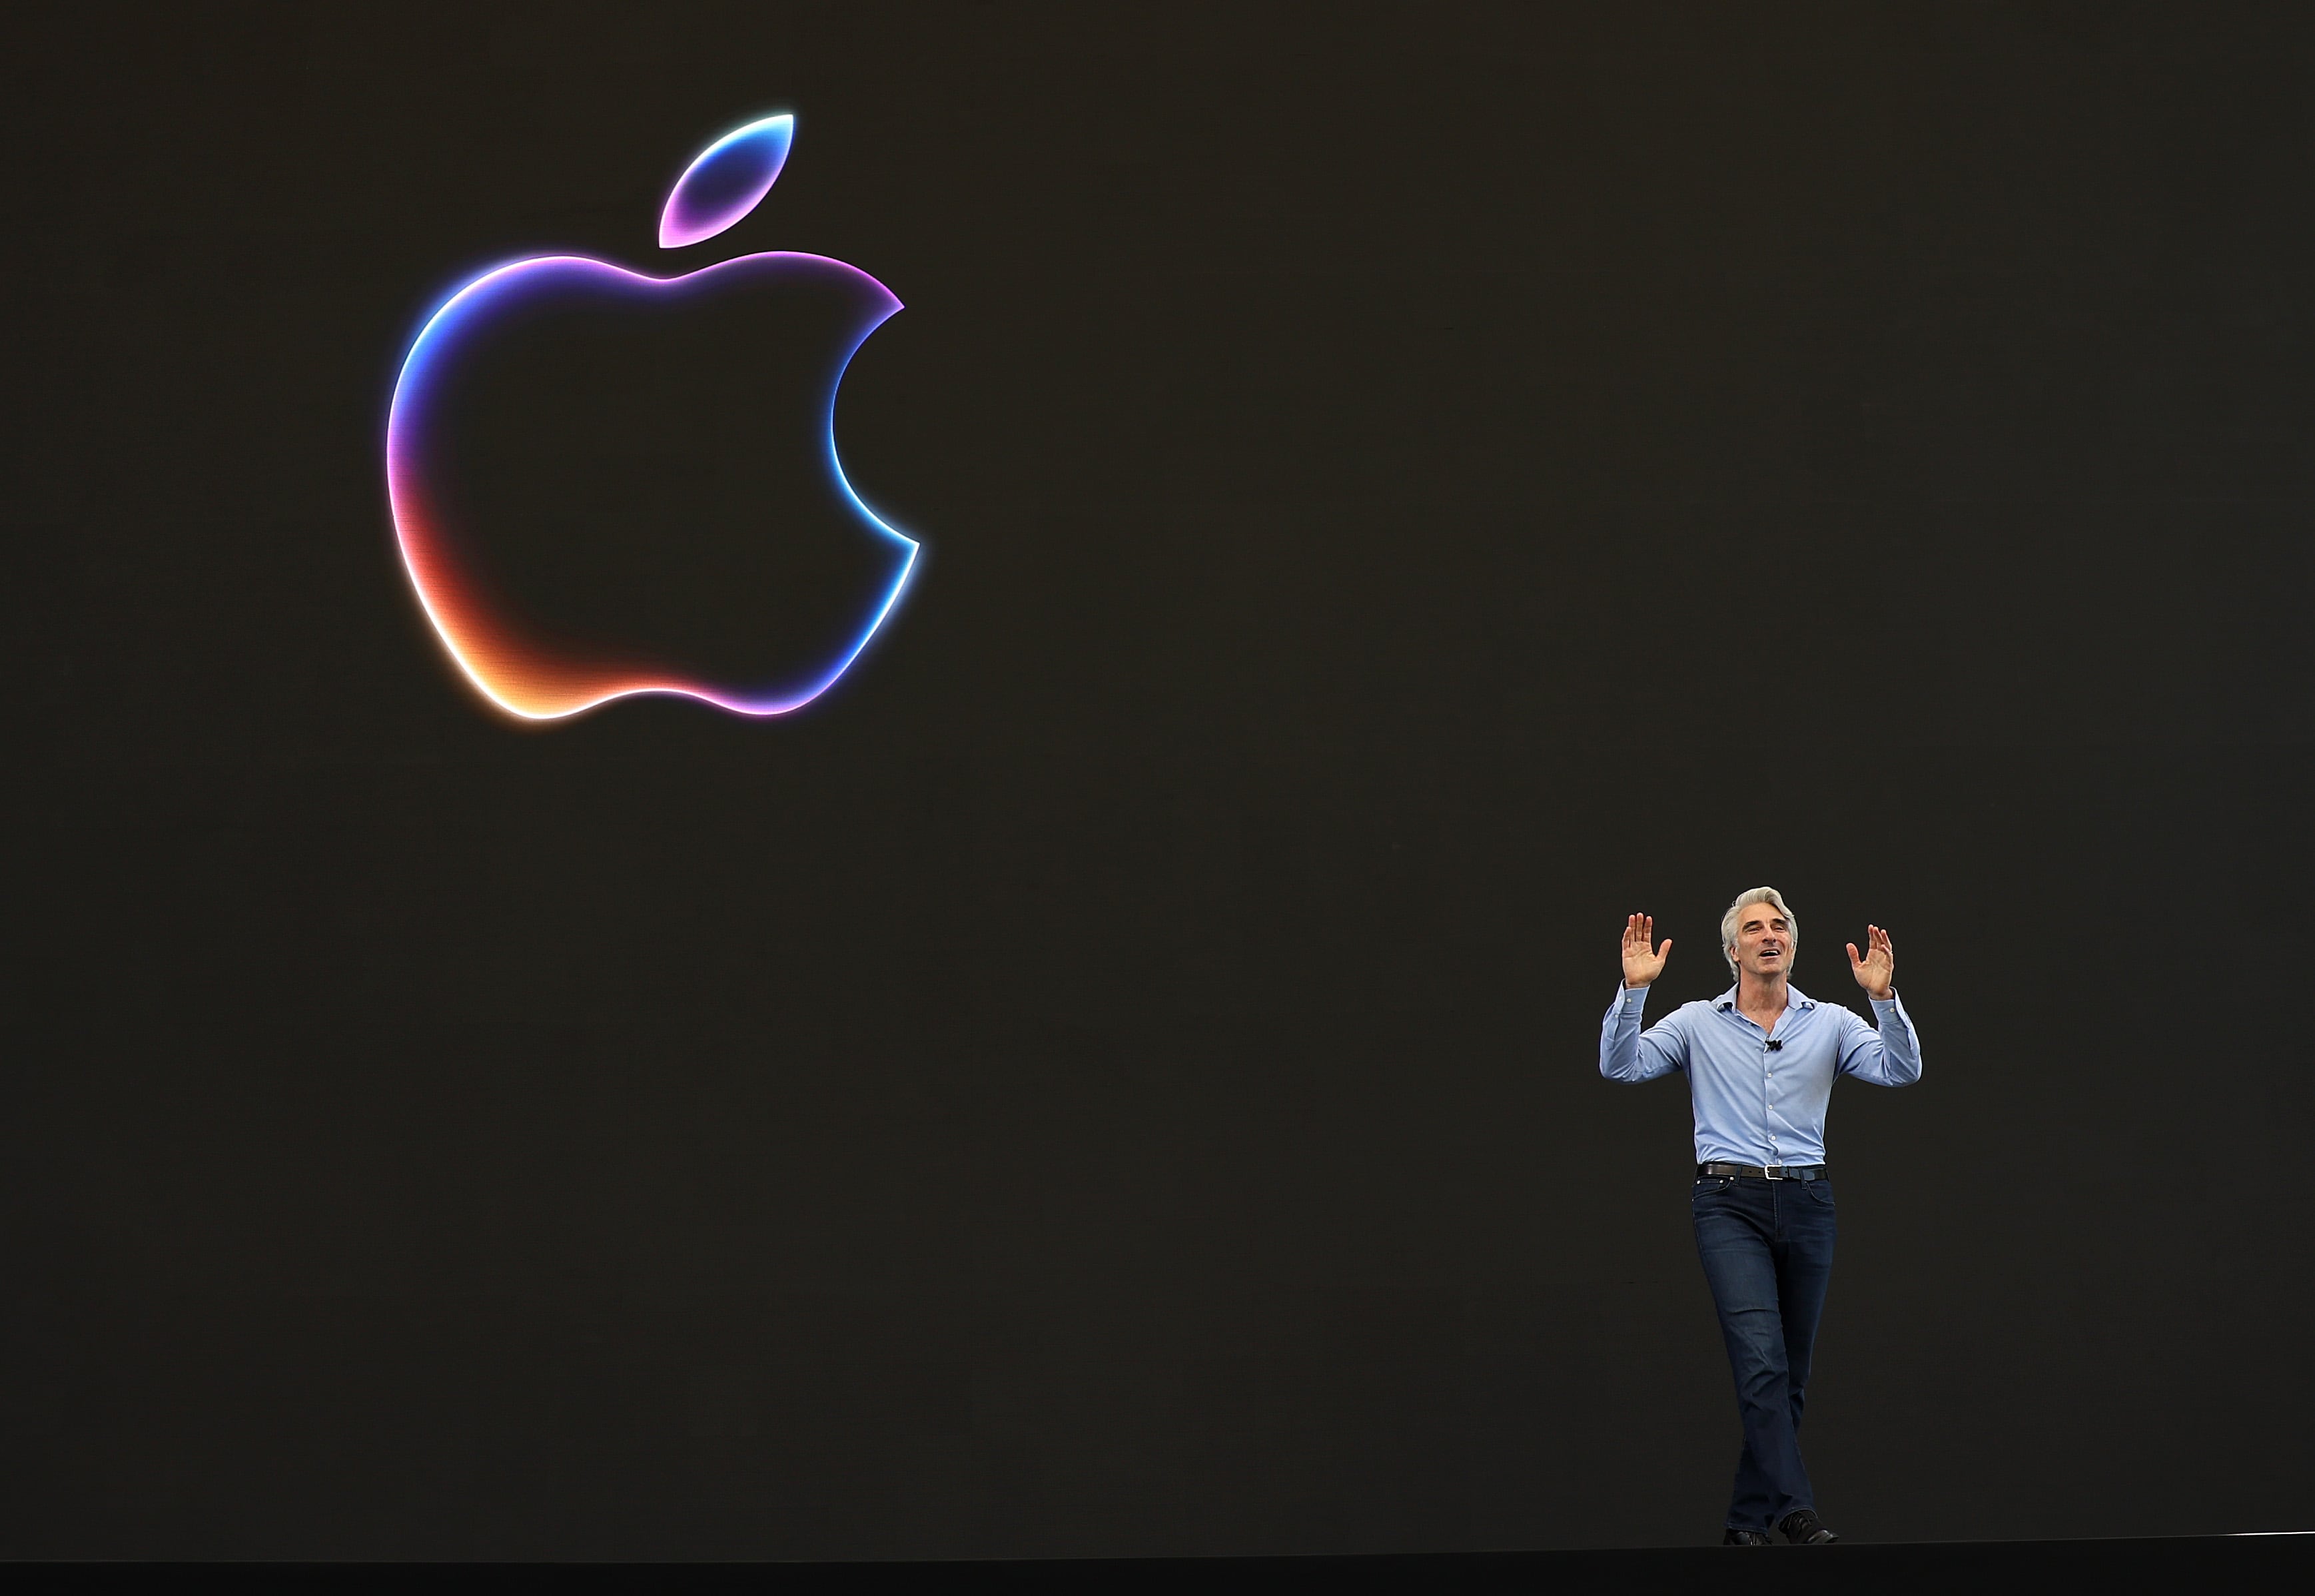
pixel 1746 1538
pixel 1802 1527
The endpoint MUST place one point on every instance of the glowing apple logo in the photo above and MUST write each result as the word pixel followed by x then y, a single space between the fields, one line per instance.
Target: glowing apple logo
pixel 604 484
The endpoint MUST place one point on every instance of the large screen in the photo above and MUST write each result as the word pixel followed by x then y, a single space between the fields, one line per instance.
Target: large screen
pixel 933 873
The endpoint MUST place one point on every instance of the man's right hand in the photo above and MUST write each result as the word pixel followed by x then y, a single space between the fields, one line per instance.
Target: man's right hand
pixel 1640 966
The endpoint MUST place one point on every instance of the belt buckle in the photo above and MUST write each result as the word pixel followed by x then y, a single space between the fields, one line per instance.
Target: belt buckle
pixel 1775 1171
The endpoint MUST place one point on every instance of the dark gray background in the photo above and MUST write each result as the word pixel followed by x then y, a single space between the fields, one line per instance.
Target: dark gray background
pixel 1402 488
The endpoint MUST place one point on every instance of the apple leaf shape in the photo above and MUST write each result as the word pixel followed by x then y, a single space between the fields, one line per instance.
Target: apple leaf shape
pixel 725 181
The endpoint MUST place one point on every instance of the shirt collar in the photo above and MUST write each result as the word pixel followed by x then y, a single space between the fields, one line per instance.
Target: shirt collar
pixel 1794 998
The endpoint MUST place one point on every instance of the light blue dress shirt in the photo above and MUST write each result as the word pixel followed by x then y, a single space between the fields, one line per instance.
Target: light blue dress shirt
pixel 1754 1105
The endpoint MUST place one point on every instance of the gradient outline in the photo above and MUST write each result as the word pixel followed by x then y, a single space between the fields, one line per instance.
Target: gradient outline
pixel 496 660
pixel 485 651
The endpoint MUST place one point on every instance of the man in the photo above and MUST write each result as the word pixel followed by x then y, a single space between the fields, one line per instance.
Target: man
pixel 1760 1061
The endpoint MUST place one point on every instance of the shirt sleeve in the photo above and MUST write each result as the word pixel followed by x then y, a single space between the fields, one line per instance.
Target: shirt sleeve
pixel 1888 1054
pixel 1626 1053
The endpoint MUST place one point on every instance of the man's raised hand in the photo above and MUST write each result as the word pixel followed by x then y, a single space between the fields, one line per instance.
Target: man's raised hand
pixel 1641 966
pixel 1877 971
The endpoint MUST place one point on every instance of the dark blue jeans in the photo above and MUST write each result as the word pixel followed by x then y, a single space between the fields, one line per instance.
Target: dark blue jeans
pixel 1767 1247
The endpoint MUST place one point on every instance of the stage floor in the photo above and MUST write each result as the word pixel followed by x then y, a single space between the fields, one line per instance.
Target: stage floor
pixel 2242 1562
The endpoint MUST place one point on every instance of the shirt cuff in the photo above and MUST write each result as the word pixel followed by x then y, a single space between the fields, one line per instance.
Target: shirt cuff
pixel 1884 1005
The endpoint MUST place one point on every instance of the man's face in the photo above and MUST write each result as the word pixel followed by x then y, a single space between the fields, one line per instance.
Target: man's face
pixel 1764 942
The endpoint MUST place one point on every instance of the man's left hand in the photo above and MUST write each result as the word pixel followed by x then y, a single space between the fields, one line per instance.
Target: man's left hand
pixel 1877 971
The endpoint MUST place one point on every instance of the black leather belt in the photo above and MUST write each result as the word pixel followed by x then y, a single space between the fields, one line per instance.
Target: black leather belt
pixel 1775 1171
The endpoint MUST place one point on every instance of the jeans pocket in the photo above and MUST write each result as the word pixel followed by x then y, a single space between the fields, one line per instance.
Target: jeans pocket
pixel 1821 1189
pixel 1709 1186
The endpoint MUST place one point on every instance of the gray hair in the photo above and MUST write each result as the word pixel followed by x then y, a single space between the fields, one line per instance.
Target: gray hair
pixel 1745 900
